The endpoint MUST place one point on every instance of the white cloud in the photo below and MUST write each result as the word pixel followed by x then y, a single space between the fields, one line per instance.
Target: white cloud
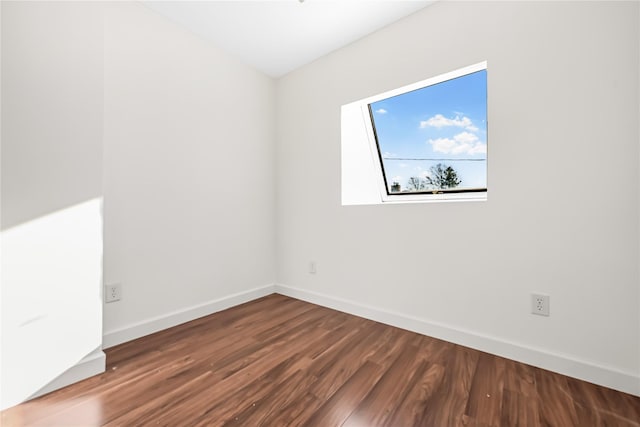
pixel 439 121
pixel 462 143
pixel 442 145
pixel 381 111
pixel 397 179
pixel 466 138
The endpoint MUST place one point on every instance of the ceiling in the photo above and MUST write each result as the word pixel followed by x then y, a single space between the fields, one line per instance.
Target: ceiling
pixel 277 37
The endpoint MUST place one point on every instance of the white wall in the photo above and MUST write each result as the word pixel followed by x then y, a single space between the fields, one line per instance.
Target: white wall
pixel 51 108
pixel 562 216
pixel 189 174
pixel 51 193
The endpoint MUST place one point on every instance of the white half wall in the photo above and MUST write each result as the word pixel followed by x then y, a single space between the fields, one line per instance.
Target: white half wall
pixel 189 170
pixel 51 207
pixel 563 216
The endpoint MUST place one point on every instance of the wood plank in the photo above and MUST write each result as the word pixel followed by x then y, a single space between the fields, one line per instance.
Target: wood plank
pixel 607 402
pixel 340 405
pixel 412 406
pixel 519 410
pixel 333 369
pixel 520 378
pixel 447 406
pixel 485 396
pixel 270 404
pixel 377 406
pixel 296 413
pixel 556 407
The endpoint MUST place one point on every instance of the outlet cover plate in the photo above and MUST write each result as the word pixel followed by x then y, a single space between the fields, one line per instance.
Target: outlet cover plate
pixel 112 292
pixel 540 304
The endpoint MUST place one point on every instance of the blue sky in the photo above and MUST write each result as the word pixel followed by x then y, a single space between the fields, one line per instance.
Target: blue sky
pixel 447 120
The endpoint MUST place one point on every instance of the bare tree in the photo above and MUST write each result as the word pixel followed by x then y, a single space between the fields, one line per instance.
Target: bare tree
pixel 442 177
pixel 416 184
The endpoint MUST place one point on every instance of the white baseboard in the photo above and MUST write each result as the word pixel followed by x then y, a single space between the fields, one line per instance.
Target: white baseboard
pixel 563 364
pixel 92 364
pixel 159 323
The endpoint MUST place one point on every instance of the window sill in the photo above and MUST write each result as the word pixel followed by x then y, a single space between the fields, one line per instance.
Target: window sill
pixel 434 198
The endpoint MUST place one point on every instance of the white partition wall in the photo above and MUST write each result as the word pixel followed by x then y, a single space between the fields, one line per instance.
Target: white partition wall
pixel 51 301
pixel 51 304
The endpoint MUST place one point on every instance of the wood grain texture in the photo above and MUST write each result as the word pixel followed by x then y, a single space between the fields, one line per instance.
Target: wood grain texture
pixel 278 361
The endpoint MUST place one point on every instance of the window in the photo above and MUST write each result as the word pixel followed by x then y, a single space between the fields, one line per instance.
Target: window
pixel 428 140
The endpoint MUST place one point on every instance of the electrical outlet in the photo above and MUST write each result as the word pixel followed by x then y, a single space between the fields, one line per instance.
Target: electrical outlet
pixel 540 304
pixel 112 292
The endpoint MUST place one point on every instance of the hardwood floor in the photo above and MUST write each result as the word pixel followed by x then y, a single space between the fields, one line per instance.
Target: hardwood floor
pixel 278 361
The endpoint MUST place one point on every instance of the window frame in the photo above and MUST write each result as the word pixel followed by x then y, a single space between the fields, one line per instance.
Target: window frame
pixel 441 195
